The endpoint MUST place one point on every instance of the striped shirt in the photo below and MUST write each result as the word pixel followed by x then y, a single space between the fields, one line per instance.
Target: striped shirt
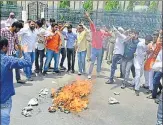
pixel 12 40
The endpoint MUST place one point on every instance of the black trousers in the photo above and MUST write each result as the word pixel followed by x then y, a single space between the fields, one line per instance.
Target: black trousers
pixel 39 53
pixel 63 53
pixel 71 58
pixel 133 71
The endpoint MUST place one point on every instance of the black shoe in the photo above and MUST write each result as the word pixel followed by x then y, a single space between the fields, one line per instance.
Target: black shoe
pixel 57 71
pixel 21 81
pixel 145 87
pixel 62 68
pixel 51 68
pixel 44 73
pixel 149 91
pixel 137 92
pixel 73 71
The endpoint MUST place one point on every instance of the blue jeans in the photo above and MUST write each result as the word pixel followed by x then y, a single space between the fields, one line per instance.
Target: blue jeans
pixel 81 61
pixel 159 112
pixel 95 53
pixel 5 112
pixel 156 83
pixel 28 70
pixel 116 58
pixel 49 55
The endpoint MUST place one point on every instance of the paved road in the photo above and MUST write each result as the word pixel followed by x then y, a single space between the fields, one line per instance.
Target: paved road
pixel 132 110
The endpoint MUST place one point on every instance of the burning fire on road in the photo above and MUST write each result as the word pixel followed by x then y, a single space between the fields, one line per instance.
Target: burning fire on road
pixel 72 97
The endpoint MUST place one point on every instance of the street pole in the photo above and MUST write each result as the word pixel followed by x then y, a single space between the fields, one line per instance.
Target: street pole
pixel 37 9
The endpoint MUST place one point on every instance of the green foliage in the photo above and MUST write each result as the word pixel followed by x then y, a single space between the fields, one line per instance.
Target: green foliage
pixel 153 6
pixel 111 5
pixel 64 4
pixel 88 5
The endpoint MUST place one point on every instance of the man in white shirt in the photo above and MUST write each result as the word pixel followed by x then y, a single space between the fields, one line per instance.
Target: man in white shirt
pixel 40 47
pixel 29 38
pixel 139 59
pixel 11 19
pixel 118 52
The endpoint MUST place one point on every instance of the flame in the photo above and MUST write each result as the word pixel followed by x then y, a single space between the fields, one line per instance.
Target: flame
pixel 72 97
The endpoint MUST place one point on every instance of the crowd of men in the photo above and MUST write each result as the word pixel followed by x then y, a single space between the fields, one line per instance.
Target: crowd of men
pixel 38 40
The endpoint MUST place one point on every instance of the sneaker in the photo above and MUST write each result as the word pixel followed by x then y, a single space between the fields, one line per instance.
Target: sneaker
pixel 21 81
pixel 123 86
pixel 110 81
pixel 29 79
pixel 137 92
pixel 89 77
pixel 79 73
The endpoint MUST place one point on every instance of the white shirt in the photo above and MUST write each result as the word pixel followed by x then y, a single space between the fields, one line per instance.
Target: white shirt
pixel 28 38
pixel 10 21
pixel 40 44
pixel 140 54
pixel 49 28
pixel 159 56
pixel 119 43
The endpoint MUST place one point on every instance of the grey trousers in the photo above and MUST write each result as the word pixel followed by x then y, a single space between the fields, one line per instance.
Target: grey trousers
pixel 126 67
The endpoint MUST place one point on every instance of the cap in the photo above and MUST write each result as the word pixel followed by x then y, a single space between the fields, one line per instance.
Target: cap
pixel 149 38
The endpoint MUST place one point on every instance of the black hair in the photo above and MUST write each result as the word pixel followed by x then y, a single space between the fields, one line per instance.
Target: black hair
pixel 70 26
pixel 60 22
pixel 54 24
pixel 17 24
pixel 81 25
pixel 42 20
pixel 21 21
pixel 52 20
pixel 31 21
pixel 3 42
pixel 39 23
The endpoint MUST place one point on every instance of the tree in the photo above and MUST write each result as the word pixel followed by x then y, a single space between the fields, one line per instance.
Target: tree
pixel 153 6
pixel 88 5
pixel 64 4
pixel 111 5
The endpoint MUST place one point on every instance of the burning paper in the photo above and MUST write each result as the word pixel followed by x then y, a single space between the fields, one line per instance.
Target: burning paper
pixel 72 97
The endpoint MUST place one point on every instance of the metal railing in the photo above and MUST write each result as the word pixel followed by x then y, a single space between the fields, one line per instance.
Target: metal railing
pixel 145 22
pixel 6 9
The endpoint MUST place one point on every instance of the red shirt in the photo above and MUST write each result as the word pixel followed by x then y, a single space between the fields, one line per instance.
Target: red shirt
pixel 98 36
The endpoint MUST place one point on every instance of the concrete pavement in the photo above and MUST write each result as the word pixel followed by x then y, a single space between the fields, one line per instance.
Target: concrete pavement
pixel 132 110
